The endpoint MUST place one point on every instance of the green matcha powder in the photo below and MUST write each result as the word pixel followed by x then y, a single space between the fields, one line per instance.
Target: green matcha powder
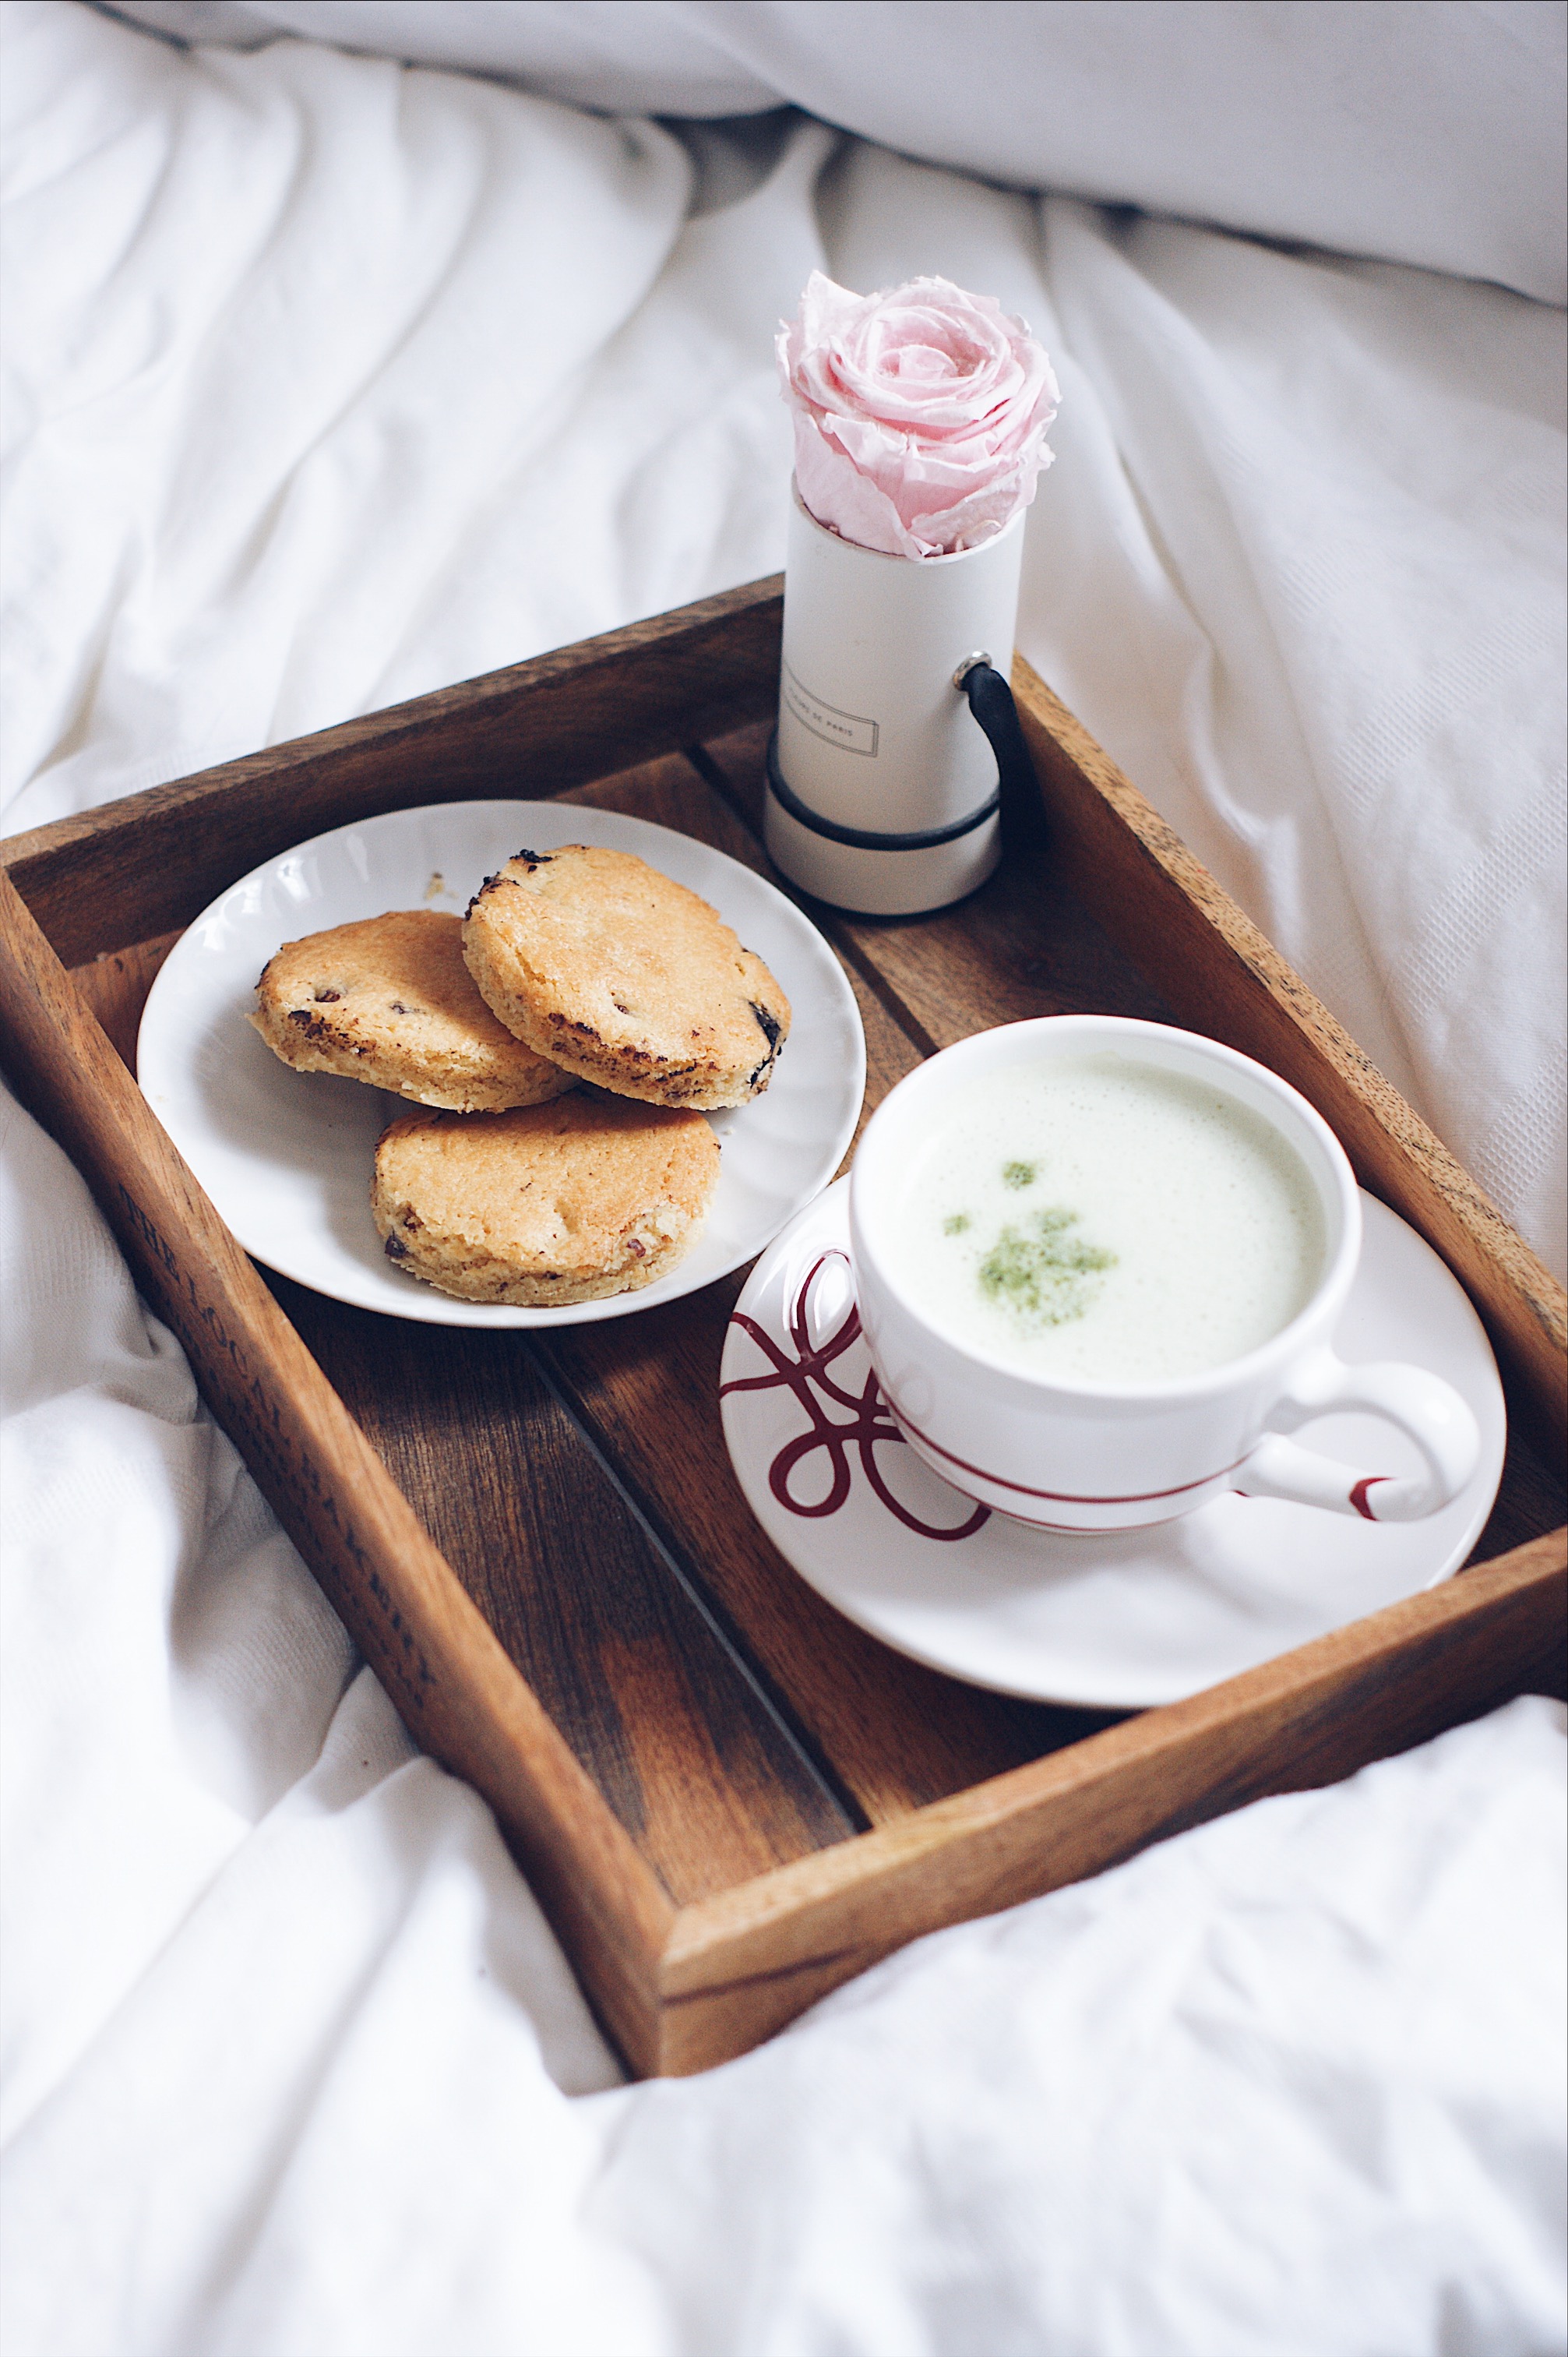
pixel 1046 1277
pixel 1044 1274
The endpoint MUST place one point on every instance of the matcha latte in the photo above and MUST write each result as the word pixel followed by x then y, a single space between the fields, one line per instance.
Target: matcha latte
pixel 1097 1220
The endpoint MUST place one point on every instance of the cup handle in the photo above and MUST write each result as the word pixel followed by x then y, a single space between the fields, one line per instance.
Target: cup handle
pixel 1422 1405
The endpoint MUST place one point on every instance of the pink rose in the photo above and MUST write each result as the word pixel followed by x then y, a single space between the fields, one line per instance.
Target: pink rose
pixel 920 415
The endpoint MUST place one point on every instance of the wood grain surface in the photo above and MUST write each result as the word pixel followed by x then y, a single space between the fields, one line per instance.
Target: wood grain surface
pixel 115 987
pixel 705 1773
pixel 1026 944
pixel 728 1798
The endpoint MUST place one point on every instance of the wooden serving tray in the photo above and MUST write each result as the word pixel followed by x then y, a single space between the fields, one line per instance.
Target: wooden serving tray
pixel 727 1798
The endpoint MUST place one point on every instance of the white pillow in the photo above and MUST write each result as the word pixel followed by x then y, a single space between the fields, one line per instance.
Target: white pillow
pixel 1416 130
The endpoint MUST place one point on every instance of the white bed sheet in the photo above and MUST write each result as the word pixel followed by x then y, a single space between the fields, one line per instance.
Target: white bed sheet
pixel 329 382
pixel 1423 131
pixel 291 2062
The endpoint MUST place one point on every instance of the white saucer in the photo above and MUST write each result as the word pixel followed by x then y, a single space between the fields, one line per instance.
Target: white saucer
pixel 1120 1623
pixel 286 1157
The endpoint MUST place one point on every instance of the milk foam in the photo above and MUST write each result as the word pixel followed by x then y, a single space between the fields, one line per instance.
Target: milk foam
pixel 1096 1219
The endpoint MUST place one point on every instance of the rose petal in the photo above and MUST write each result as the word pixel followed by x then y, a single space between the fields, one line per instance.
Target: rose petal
pixel 834 491
pixel 920 415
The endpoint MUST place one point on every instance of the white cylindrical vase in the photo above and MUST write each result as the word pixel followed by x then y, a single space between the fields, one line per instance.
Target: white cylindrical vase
pixel 883 789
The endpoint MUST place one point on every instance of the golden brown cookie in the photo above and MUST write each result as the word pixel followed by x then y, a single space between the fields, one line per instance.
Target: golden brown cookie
pixel 569 1201
pixel 626 979
pixel 390 1001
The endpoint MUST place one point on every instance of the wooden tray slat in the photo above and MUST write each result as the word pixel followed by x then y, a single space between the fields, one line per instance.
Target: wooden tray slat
pixel 669 1723
pixel 1025 945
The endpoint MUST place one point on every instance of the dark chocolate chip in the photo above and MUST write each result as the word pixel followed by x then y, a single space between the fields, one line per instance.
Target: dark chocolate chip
pixel 490 884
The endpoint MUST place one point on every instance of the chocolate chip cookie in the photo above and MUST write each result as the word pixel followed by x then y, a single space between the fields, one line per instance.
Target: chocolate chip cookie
pixel 590 1196
pixel 625 978
pixel 390 1001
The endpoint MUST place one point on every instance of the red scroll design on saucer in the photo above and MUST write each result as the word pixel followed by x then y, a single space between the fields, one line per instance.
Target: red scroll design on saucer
pixel 807 1374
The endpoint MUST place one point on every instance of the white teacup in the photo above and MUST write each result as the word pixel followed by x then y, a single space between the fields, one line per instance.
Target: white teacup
pixel 1075 1455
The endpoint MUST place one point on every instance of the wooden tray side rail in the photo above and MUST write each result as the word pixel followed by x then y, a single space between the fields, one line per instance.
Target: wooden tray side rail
pixel 457 1693
pixel 740 1966
pixel 1220 973
pixel 680 1987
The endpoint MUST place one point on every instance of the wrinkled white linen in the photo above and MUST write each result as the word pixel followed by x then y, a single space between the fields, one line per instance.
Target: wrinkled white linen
pixel 330 383
pixel 1424 131
pixel 293 2066
pixel 327 384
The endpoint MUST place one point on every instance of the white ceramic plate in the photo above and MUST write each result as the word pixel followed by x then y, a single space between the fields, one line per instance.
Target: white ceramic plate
pixel 287 1157
pixel 1123 1622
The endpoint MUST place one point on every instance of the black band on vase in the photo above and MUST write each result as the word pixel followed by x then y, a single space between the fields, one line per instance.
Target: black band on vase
pixel 1017 796
pixel 862 839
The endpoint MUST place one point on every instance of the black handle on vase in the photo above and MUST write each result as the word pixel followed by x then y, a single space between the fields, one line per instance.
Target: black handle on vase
pixel 991 701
